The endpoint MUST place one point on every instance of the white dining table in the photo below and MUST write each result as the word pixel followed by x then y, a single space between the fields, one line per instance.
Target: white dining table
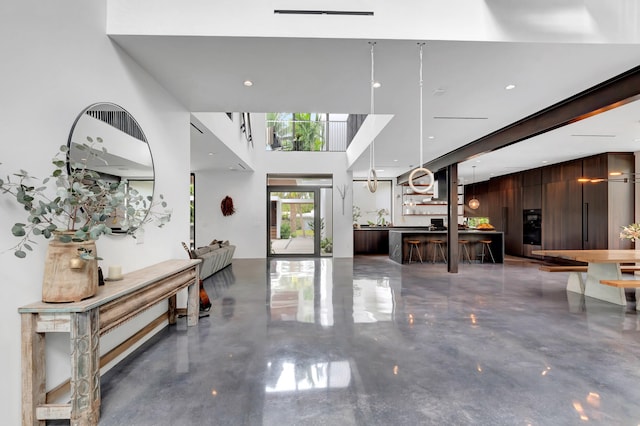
pixel 602 265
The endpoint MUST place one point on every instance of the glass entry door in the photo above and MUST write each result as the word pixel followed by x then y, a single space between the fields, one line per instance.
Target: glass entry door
pixel 294 225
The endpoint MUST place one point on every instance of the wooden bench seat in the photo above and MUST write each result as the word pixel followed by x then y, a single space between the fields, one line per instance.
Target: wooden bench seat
pixel 629 269
pixel 622 283
pixel 625 269
pixel 563 268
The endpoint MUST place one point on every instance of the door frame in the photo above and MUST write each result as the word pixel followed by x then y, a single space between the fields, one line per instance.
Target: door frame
pixel 316 218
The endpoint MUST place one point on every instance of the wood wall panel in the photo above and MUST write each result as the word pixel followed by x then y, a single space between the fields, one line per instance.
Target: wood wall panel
pixel 562 215
pixel 371 241
pixel 574 215
pixel 595 205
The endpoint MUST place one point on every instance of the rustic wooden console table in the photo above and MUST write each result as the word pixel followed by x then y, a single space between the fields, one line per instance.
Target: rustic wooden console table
pixel 85 321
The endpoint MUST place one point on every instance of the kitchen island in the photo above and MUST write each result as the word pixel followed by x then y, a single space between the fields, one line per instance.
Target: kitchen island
pixel 399 248
pixel 371 240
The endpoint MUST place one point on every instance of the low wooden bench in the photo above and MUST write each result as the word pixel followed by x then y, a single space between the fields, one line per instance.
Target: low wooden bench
pixel 622 283
pixel 575 283
pixel 629 269
pixel 563 268
pixel 625 269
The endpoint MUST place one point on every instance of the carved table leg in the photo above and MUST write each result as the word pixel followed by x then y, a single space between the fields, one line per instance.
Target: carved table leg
pixel 85 368
pixel 33 370
pixel 193 303
pixel 172 305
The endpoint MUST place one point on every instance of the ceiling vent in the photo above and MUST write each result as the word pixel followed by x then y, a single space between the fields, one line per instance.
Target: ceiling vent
pixel 196 127
pixel 459 118
pixel 321 12
pixel 594 136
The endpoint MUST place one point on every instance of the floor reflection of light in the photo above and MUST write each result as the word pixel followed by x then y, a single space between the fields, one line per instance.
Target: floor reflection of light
pixel 290 376
pixel 293 290
pixel 372 300
pixel 578 407
pixel 326 292
pixel 593 399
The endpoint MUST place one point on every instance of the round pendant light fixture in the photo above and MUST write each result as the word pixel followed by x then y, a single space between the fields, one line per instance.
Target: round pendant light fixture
pixel 473 202
pixel 372 176
pixel 421 170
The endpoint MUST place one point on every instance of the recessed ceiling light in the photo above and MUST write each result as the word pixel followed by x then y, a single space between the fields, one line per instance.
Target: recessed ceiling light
pixel 544 161
pixel 510 87
pixel 376 84
pixel 395 160
pixel 248 83
pixel 211 153
pixel 431 137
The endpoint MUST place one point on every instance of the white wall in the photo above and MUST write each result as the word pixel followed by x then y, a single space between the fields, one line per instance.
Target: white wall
pixel 56 61
pixel 247 228
pixel 590 21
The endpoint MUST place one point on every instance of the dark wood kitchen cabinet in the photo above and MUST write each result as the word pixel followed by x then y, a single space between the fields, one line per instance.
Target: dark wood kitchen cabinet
pixel 574 215
pixel 586 215
pixel 532 189
pixel 501 201
pixel 607 206
pixel 371 240
pixel 562 206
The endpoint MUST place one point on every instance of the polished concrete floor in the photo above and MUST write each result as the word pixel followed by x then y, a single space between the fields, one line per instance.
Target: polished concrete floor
pixel 371 342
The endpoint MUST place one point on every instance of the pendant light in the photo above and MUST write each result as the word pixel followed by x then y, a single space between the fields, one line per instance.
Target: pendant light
pixel 473 202
pixel 422 170
pixel 372 177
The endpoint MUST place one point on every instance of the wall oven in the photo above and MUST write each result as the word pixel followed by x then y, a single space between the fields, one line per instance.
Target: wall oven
pixel 532 227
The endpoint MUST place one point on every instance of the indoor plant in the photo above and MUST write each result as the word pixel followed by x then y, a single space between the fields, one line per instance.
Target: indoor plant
pixel 381 217
pixel 356 216
pixel 630 232
pixel 76 206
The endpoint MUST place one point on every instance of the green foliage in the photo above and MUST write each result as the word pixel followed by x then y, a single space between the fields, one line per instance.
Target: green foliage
pixel 300 131
pixel 79 200
pixel 309 132
pixel 285 230
pixel 312 225
pixel 326 245
pixel 357 213
pixel 381 217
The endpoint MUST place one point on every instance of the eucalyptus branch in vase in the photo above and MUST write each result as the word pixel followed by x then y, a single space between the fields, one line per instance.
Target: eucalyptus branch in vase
pixel 77 200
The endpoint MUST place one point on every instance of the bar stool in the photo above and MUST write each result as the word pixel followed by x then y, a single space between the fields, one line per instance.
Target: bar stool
pixel 414 244
pixel 486 244
pixel 437 246
pixel 464 250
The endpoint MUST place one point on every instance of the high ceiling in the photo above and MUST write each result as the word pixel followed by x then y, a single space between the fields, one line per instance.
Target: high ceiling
pixel 464 91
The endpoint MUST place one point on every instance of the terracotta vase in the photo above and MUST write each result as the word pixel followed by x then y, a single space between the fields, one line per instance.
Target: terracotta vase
pixel 67 278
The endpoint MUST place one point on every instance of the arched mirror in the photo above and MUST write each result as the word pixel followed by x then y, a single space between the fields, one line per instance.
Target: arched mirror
pixel 124 152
